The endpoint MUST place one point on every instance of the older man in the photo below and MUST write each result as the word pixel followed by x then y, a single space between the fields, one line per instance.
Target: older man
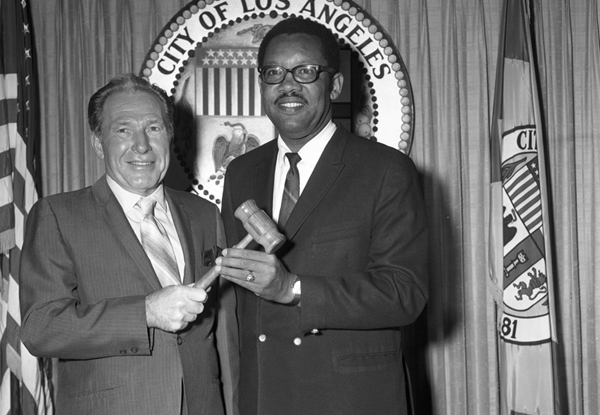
pixel 107 274
pixel 320 320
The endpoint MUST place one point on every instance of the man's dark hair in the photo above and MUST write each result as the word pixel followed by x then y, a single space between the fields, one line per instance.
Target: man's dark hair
pixel 132 84
pixel 330 49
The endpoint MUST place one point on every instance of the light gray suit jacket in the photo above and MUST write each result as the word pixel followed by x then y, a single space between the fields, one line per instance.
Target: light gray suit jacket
pixel 84 278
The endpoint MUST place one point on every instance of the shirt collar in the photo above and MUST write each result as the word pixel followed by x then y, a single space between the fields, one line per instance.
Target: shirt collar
pixel 127 200
pixel 311 151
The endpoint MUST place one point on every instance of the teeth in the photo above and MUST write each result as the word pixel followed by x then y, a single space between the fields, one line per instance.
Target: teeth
pixel 292 104
pixel 141 163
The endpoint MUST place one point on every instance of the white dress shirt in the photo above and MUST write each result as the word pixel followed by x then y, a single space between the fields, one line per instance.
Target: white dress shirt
pixel 310 154
pixel 127 200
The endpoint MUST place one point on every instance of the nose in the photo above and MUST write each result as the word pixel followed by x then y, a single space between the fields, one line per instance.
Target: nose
pixel 289 83
pixel 141 143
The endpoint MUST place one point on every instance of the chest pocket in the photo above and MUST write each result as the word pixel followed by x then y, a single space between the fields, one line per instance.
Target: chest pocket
pixel 338 232
pixel 339 248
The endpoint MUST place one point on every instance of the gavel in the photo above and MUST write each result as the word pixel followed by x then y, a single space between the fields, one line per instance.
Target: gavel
pixel 260 227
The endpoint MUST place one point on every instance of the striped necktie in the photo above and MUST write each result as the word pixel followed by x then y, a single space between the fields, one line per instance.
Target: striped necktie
pixel 157 245
pixel 291 191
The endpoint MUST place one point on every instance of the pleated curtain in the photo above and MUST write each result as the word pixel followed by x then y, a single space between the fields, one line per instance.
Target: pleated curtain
pixel 450 48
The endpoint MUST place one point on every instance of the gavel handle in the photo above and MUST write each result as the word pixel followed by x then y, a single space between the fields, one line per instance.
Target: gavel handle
pixel 207 279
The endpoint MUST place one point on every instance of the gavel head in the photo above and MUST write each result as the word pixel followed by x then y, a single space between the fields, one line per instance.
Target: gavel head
pixel 260 226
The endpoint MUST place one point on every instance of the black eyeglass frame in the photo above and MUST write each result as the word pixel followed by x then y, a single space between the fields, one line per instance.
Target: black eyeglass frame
pixel 320 69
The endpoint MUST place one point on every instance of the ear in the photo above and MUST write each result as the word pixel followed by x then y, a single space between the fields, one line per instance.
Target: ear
pixel 337 82
pixel 97 145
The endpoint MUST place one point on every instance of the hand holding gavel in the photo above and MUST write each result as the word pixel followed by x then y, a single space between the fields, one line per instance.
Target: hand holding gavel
pixel 260 227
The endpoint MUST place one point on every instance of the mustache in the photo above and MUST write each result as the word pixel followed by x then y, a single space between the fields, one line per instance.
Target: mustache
pixel 292 94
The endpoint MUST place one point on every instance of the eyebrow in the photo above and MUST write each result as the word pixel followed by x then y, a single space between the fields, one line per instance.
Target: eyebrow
pixel 127 119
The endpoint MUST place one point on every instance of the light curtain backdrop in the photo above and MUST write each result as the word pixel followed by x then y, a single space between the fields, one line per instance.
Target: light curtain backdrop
pixel 450 49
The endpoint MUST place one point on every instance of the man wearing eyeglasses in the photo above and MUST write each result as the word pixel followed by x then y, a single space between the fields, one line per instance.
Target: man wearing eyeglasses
pixel 320 319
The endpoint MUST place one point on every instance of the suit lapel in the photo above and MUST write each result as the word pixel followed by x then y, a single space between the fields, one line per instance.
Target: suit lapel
pixel 264 180
pixel 115 217
pixel 322 179
pixel 182 224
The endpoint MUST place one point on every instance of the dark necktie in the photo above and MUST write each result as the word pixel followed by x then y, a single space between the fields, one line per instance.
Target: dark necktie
pixel 157 245
pixel 291 191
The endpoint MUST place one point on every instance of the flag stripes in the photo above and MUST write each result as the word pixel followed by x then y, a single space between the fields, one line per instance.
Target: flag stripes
pixel 228 91
pixel 8 119
pixel 24 387
pixel 524 192
pixel 226 82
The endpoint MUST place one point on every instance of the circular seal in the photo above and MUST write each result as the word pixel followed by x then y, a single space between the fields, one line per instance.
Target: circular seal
pixel 206 60
pixel 526 304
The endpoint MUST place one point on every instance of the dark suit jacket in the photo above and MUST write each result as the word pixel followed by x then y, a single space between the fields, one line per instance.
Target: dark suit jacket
pixel 357 238
pixel 84 279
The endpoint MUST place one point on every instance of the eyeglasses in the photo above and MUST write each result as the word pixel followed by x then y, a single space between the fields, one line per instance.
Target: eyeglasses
pixel 303 74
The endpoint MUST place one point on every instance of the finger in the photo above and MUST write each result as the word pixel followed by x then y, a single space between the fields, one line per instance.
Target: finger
pixel 197 294
pixel 241 282
pixel 193 309
pixel 236 273
pixel 188 318
pixel 245 265
pixel 243 254
pixel 224 265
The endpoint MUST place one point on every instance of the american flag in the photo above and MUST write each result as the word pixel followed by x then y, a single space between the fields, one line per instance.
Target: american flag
pixel 226 82
pixel 24 381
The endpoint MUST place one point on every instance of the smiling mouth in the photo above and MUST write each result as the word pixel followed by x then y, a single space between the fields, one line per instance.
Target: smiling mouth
pixel 141 163
pixel 291 106
pixel 291 101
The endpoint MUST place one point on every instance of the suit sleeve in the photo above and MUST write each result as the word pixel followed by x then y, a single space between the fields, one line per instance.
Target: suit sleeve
pixel 55 320
pixel 230 224
pixel 227 334
pixel 391 291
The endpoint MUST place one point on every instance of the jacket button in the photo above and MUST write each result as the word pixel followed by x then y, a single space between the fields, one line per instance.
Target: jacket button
pixel 262 338
pixel 179 340
pixel 134 350
pixel 297 341
pixel 123 351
